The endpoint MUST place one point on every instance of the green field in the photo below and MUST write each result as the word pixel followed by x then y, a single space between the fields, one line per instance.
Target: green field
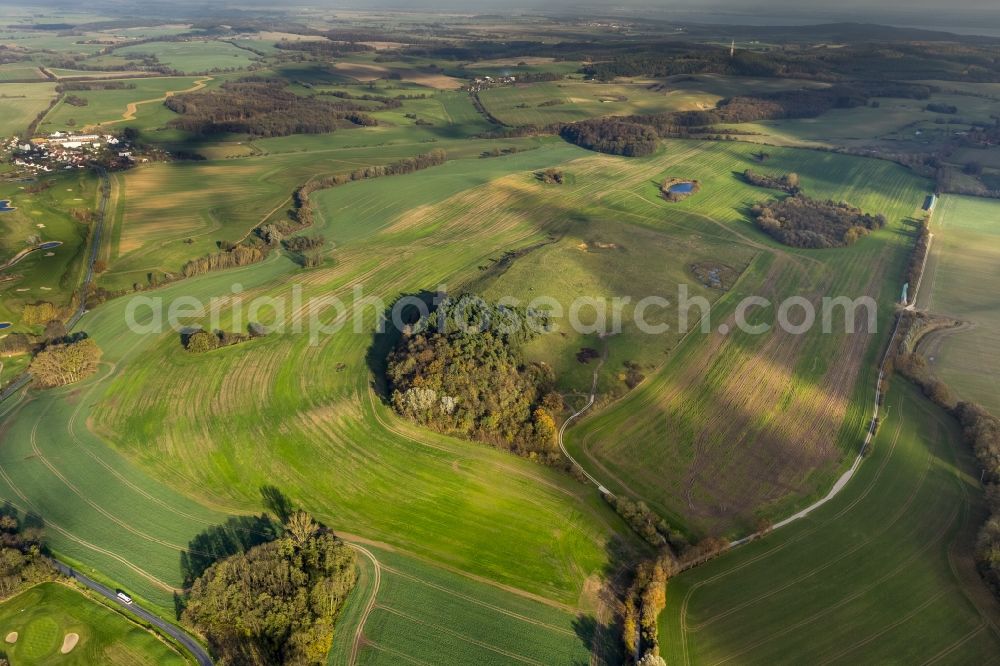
pixel 961 281
pixel 716 470
pixel 110 107
pixel 47 215
pixel 882 574
pixel 44 614
pixel 895 124
pixel 250 190
pixel 571 100
pixel 430 615
pixel 20 103
pixel 20 71
pixel 193 57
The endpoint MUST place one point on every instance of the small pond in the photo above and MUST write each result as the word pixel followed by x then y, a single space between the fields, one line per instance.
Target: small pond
pixel 5 206
pixel 49 245
pixel 681 188
pixel 5 324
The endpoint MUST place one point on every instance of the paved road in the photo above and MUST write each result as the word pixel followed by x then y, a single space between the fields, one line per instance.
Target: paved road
pixel 167 628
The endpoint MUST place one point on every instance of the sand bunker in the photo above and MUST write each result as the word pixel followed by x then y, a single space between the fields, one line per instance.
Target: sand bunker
pixel 69 642
pixel 11 637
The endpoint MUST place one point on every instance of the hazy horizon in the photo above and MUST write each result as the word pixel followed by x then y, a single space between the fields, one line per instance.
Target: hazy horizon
pixel 961 16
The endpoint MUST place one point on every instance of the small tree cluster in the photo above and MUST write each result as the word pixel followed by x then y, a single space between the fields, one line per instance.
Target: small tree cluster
pixel 202 341
pixel 786 183
pixel 38 314
pixel 21 546
pixel 278 602
pixel 653 529
pixel 67 363
pixel 799 221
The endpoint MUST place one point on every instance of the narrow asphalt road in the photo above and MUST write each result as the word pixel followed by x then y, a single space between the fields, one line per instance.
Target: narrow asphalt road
pixel 167 628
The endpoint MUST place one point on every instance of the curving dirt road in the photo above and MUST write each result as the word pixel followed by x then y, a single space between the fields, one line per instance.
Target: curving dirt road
pixel 133 107
pixel 359 633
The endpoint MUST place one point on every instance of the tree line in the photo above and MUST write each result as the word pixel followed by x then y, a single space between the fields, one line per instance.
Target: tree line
pixel 231 256
pixel 918 257
pixel 788 182
pixel 980 430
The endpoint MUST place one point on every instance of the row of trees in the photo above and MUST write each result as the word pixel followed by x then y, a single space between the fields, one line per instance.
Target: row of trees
pixel 261 107
pixel 459 371
pixel 981 430
pixel 233 257
pixel 647 524
pixel 799 221
pixel 202 341
pixel 919 255
pixel 277 603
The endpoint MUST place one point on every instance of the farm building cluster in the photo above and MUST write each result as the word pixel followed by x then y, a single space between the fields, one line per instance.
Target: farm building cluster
pixel 62 150
pixel 481 83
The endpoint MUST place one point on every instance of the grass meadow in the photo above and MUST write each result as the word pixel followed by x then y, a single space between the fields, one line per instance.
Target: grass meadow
pixel 20 103
pixel 107 108
pixel 961 281
pixel 51 275
pixel 570 100
pixel 882 574
pixel 44 614
pixel 193 56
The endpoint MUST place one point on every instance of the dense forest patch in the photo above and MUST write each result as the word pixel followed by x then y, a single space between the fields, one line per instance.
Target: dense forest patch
pixel 459 371
pixel 277 603
pixel 612 135
pixel 803 222
pixel 261 107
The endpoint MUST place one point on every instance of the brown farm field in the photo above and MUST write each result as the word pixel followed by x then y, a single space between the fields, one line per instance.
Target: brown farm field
pixel 364 72
pixel 739 426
